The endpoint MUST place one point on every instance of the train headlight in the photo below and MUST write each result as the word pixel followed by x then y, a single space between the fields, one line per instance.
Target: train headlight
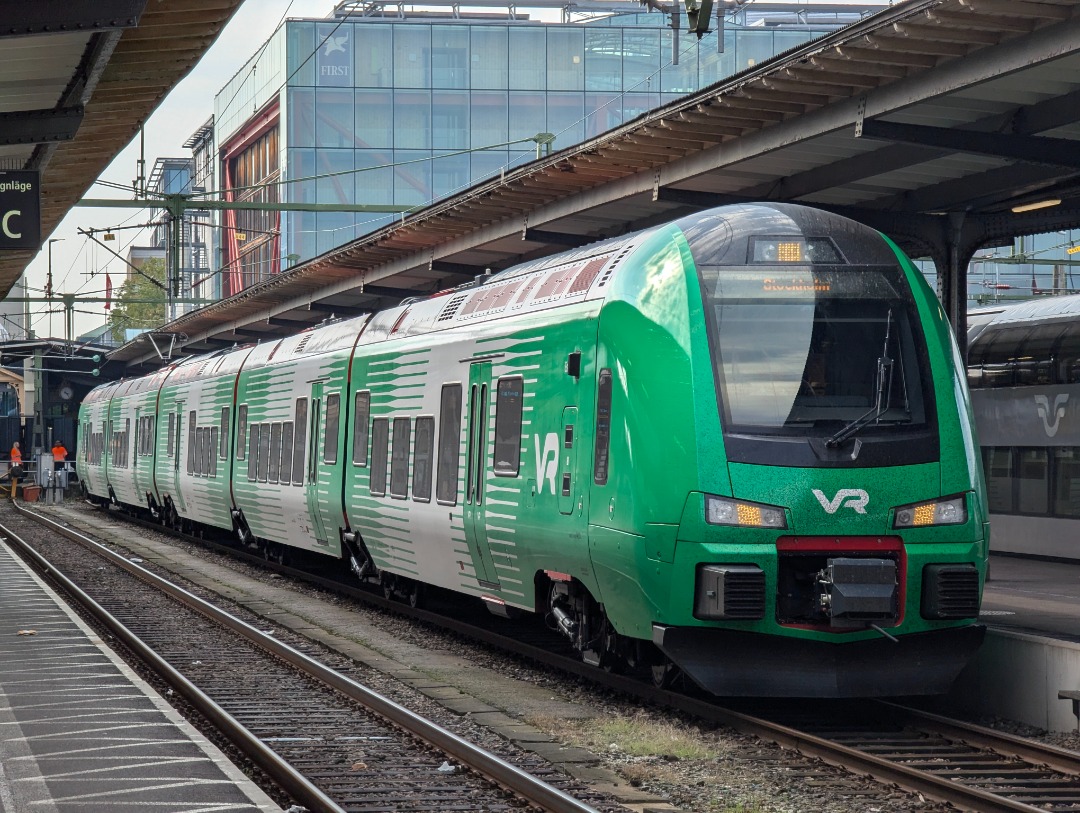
pixel 740 513
pixel 950 511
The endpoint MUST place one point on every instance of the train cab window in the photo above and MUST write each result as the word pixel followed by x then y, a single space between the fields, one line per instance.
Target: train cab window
pixel 603 428
pixel 380 441
pixel 1066 481
pixel 1033 481
pixel 330 433
pixel 361 417
pixel 191 442
pixel 286 452
pixel 223 446
pixel 508 404
pixel 253 453
pixel 241 431
pixel 399 461
pixel 299 441
pixel 446 487
pixel 264 453
pixel 423 451
pixel 275 452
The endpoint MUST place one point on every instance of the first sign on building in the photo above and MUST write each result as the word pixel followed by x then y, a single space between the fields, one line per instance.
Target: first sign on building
pixel 20 209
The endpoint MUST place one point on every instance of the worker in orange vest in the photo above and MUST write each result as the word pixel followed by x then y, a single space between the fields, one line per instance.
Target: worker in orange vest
pixel 16 467
pixel 59 454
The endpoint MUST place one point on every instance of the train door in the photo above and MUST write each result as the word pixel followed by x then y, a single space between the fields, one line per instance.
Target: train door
pixel 315 472
pixel 568 462
pixel 476 467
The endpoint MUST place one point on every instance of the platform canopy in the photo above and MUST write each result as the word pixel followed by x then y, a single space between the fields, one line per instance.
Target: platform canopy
pixel 79 78
pixel 947 124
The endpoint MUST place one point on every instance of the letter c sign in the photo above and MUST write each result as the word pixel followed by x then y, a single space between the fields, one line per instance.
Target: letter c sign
pixel 5 224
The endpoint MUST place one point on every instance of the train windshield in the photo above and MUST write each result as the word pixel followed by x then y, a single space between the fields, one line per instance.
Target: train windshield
pixel 829 350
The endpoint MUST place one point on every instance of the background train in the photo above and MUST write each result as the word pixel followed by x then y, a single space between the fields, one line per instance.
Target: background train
pixel 737 446
pixel 1024 375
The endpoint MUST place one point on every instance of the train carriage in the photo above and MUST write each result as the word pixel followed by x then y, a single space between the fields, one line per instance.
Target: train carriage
pixel 737 447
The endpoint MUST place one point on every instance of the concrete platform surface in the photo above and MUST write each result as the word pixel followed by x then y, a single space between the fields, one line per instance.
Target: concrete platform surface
pixel 1033 596
pixel 80 731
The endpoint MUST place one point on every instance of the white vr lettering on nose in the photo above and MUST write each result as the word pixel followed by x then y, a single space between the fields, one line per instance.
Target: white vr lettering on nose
pixel 853 498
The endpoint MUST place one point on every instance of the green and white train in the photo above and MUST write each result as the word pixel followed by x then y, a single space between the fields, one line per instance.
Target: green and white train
pixel 737 446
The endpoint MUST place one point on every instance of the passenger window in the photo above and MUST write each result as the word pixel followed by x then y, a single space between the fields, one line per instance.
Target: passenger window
pixel 380 438
pixel 264 452
pixel 192 439
pixel 275 452
pixel 361 416
pixel 603 429
pixel 423 447
pixel 508 403
pixel 399 462
pixel 253 453
pixel 223 449
pixel 299 441
pixel 241 431
pixel 286 451
pixel 449 444
pixel 330 436
pixel 211 452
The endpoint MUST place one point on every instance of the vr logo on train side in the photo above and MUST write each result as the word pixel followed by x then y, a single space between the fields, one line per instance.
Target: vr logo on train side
pixel 853 498
pixel 1042 403
pixel 547 462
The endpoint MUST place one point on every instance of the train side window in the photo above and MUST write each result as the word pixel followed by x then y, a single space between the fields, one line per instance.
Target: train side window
pixel 399 459
pixel 191 442
pixel 1066 481
pixel 1035 363
pixel 446 487
pixel 330 435
pixel 508 405
pixel 179 429
pixel 603 429
pixel 223 448
pixel 1000 363
pixel 1068 356
pixel 380 439
pixel 997 463
pixel 423 448
pixel 215 443
pixel 241 431
pixel 138 436
pixel 1033 481
pixel 170 451
pixel 361 417
pixel 253 453
pixel 264 452
pixel 299 441
pixel 275 452
pixel 286 452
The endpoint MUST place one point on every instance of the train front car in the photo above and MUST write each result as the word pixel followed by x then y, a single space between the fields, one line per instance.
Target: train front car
pixel 791 439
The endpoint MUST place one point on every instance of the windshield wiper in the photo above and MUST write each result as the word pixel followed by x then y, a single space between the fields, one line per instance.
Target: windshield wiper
pixel 881 401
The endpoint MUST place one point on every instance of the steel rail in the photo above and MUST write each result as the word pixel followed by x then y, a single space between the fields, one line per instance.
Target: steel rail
pixel 278 769
pixel 520 782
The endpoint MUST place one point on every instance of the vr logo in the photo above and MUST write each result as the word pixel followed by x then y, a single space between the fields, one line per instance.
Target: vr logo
pixel 1042 404
pixel 853 498
pixel 547 462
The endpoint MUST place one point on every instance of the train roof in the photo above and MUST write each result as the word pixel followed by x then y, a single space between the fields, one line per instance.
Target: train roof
pixel 1033 311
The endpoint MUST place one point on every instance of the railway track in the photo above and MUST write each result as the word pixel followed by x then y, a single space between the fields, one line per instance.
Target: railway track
pixel 971 767
pixel 350 749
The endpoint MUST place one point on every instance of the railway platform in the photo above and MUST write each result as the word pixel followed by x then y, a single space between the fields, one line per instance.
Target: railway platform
pixel 1032 648
pixel 79 730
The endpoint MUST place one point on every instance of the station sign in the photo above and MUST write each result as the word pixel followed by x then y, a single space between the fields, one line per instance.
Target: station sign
pixel 20 209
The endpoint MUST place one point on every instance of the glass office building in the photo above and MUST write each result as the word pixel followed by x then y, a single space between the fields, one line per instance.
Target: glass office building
pixel 385 107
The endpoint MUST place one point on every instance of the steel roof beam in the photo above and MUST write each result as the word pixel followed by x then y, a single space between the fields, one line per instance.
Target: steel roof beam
pixel 20 17
pixel 554 238
pixel 1062 152
pixel 40 126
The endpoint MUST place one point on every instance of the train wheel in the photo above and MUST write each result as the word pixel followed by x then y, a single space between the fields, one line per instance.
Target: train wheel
pixel 416 594
pixel 664 674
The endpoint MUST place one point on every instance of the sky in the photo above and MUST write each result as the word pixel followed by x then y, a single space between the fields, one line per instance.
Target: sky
pixel 78 265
